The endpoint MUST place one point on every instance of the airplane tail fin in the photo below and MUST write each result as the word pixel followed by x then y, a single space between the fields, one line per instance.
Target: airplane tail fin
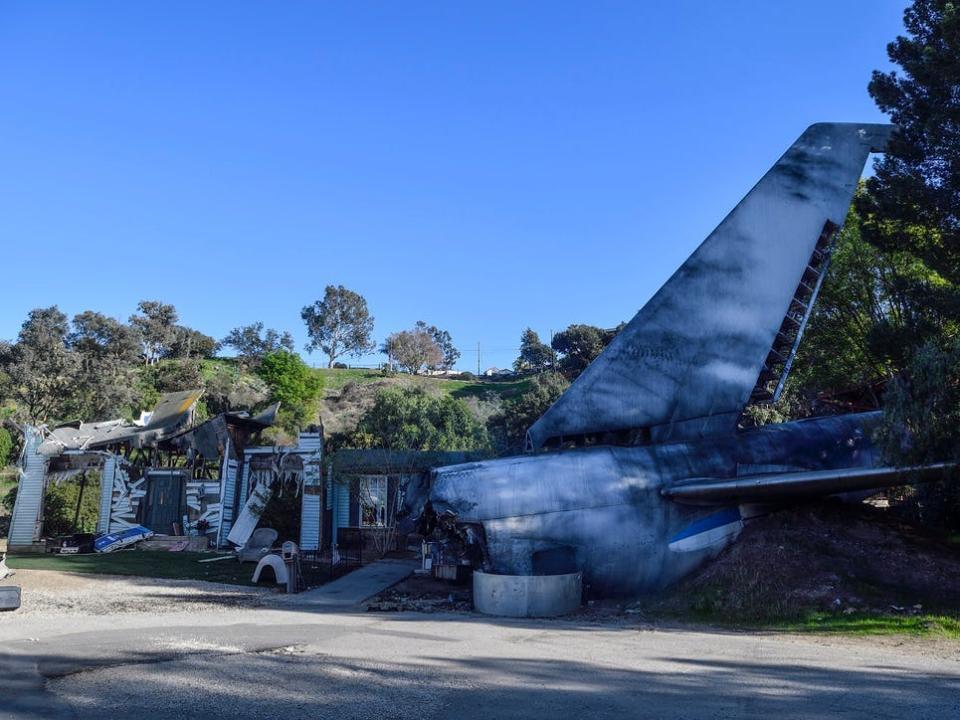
pixel 724 329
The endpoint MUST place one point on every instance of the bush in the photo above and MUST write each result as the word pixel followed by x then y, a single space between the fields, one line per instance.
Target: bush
pixel 294 385
pixel 410 419
pixel 6 447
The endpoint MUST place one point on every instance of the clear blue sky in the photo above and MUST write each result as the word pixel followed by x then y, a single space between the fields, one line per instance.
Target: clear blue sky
pixel 481 166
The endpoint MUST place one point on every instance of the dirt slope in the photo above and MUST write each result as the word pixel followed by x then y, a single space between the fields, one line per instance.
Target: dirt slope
pixel 826 556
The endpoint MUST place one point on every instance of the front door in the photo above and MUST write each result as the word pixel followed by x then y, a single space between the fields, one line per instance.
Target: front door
pixel 165 505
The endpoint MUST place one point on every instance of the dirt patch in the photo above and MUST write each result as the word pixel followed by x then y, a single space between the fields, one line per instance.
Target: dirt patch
pixel 341 410
pixel 827 556
pixel 422 593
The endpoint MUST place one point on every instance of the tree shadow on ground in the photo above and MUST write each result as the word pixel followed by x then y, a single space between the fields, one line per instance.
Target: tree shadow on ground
pixel 293 682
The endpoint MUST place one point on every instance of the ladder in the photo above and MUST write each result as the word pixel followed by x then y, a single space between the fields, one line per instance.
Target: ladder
pixel 779 360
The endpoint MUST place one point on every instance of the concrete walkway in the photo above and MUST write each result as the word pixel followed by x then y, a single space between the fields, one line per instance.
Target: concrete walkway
pixel 357 586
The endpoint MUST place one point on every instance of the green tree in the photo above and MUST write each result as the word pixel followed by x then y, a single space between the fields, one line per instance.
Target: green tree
pixel 294 385
pixel 186 343
pixel 921 417
pixel 913 203
pixel 412 419
pixel 535 356
pixel 510 425
pixel 252 342
pixel 579 345
pixel 107 351
pixel 6 447
pixel 175 375
pixel 444 342
pixel 339 324
pixel 156 323
pixel 39 369
pixel 413 350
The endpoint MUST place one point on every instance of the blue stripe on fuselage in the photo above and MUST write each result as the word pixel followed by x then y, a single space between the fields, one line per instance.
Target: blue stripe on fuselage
pixel 724 517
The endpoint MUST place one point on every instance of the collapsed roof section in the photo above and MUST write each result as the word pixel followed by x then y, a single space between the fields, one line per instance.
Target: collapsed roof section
pixel 171 423
pixel 172 414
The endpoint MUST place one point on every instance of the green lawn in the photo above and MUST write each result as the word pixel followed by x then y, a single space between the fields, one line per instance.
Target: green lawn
pixel 865 624
pixel 157 564
pixel 334 379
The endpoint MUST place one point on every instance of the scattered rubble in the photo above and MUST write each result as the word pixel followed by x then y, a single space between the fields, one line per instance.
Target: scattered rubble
pixel 422 593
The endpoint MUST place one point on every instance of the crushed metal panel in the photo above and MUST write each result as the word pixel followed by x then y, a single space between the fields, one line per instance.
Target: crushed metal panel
pixel 687 362
pixel 106 493
pixel 250 515
pixel 171 415
pixel 26 522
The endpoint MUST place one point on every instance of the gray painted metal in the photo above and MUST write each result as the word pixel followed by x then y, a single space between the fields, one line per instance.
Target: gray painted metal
pixel 26 521
pixel 9 597
pixel 527 595
pixel 228 496
pixel 798 485
pixel 606 505
pixel 686 364
pixel 310 508
pixel 172 414
pixel 106 493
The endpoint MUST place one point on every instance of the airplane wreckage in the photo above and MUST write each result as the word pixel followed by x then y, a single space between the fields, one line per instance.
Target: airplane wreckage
pixel 638 474
pixel 660 478
pixel 167 475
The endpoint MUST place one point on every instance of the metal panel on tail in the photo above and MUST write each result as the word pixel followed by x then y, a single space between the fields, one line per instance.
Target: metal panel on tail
pixel 688 362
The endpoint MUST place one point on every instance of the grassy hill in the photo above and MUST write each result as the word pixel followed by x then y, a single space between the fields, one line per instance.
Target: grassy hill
pixel 349 392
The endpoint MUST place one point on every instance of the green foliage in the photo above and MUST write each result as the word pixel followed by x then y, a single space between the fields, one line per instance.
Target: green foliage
pixel 578 346
pixel 294 384
pixel 252 342
pixel 920 425
pixel 411 419
pixel 155 323
pixel 6 447
pixel 413 350
pixel 9 499
pixel 912 205
pixel 339 324
pixel 175 375
pixel 108 352
pixel 227 388
pixel 180 565
pixel 444 343
pixel 60 506
pixel 509 426
pixel 39 369
pixel 189 343
pixel 535 356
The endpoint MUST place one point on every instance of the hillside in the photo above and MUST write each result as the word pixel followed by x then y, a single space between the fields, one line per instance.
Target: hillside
pixel 824 559
pixel 348 393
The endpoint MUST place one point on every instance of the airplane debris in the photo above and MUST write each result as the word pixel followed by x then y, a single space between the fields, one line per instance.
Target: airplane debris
pixel 647 474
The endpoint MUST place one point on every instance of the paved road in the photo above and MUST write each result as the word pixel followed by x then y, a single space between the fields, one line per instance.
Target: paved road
pixel 297 664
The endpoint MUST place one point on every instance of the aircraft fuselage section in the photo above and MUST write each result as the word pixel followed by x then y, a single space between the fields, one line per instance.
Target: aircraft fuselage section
pixel 600 509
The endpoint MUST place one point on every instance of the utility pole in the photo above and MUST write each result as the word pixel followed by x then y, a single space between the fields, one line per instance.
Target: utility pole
pixel 478 358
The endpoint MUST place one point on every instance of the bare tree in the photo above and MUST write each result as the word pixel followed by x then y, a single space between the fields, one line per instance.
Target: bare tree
pixel 413 350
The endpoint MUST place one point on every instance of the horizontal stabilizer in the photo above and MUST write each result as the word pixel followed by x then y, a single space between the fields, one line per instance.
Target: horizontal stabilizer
pixel 777 487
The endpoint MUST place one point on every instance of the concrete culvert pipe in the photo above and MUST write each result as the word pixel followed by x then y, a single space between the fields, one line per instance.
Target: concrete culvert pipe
pixel 527 595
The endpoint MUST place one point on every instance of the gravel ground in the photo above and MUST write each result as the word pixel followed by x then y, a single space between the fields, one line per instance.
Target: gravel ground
pixel 112 647
pixel 52 593
pixel 420 667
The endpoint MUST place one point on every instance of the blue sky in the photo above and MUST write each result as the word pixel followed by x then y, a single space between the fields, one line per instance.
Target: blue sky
pixel 481 166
